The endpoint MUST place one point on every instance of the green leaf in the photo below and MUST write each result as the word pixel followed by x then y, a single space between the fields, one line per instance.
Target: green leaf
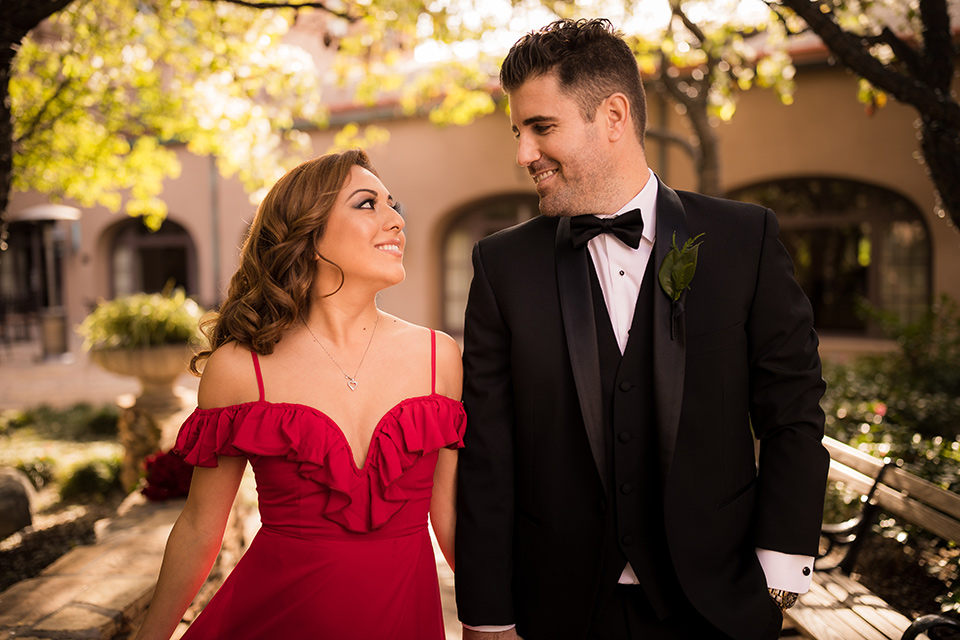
pixel 678 267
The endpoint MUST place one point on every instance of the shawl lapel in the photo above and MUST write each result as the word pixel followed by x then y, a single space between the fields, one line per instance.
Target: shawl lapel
pixel 580 326
pixel 669 342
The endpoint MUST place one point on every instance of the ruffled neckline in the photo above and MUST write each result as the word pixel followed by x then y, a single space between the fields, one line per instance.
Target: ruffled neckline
pixel 333 423
pixel 362 498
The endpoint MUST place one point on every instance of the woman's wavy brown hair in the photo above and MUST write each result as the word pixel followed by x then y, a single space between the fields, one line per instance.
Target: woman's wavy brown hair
pixel 271 289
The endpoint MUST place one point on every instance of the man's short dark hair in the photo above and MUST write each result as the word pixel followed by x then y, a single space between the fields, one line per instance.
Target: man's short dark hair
pixel 591 59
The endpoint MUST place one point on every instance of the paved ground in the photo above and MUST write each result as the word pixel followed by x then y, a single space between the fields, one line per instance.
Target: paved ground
pixel 27 380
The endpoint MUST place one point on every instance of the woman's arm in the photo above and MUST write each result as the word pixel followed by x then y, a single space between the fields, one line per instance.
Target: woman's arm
pixel 196 537
pixel 443 503
pixel 193 545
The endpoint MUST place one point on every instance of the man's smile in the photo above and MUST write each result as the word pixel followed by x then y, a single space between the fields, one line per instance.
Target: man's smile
pixel 543 175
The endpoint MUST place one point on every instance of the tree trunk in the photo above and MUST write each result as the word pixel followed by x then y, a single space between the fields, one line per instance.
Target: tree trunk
pixel 20 17
pixel 6 138
pixel 708 167
pixel 922 79
pixel 940 144
pixel 708 161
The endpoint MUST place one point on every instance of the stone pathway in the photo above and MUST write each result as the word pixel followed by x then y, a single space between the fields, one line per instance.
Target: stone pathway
pixel 28 381
pixel 96 591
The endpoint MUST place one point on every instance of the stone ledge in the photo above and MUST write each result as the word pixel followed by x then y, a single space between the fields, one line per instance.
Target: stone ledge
pixel 95 591
pixel 101 591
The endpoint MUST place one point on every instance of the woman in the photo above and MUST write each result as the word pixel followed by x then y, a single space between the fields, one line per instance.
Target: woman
pixel 349 416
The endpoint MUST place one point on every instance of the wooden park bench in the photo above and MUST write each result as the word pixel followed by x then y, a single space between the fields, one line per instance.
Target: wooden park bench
pixel 837 607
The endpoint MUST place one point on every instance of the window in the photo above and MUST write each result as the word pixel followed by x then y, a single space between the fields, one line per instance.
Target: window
pixel 474 223
pixel 146 261
pixel 850 242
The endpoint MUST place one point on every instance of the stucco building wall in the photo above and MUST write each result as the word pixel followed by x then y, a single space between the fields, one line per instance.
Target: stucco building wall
pixel 438 172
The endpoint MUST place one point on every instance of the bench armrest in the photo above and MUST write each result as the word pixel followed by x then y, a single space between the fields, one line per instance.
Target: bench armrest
pixel 924 623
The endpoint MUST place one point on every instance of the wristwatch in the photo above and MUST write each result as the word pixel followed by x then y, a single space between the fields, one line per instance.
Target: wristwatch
pixel 784 599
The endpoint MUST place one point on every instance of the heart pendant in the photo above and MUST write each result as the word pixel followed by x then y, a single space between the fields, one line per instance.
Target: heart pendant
pixel 351 383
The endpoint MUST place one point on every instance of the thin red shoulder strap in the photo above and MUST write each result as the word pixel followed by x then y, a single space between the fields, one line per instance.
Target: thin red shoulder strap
pixel 256 367
pixel 433 361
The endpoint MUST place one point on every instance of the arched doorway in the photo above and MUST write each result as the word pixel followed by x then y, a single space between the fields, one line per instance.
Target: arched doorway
pixel 142 260
pixel 850 242
pixel 474 222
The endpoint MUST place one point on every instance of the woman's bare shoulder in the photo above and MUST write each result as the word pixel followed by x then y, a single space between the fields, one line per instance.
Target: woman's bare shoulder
pixel 449 367
pixel 413 338
pixel 228 378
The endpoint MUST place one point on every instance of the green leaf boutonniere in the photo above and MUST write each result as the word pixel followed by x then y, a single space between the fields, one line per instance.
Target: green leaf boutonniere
pixel 676 274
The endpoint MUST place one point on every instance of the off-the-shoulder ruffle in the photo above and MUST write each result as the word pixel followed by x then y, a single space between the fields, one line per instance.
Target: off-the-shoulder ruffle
pixel 360 499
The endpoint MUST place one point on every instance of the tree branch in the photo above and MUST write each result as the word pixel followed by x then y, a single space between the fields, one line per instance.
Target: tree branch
pixel 32 126
pixel 671 137
pixel 698 33
pixel 937 64
pixel 904 52
pixel 691 26
pixel 849 48
pixel 293 5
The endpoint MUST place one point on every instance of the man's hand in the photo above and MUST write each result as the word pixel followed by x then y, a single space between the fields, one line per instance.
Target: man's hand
pixel 470 634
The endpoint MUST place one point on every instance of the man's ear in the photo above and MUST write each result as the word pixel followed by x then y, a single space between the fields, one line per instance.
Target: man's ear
pixel 615 111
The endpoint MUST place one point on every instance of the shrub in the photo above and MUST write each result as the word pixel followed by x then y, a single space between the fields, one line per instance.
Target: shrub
pixel 12 419
pixel 81 421
pixel 142 320
pixel 103 421
pixel 40 471
pixel 922 379
pixel 92 481
pixel 904 406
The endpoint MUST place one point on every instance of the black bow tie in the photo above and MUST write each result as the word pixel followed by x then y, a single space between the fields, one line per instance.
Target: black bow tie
pixel 627 227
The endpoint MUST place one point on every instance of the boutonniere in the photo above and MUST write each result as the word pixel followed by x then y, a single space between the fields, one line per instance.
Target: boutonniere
pixel 676 274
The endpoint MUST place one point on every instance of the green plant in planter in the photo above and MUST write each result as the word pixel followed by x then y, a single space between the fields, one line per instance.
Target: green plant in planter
pixel 142 320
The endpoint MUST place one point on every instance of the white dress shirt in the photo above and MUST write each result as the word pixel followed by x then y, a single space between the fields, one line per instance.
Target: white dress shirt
pixel 620 271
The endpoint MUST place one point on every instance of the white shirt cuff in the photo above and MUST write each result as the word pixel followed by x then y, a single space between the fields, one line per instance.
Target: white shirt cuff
pixel 786 571
pixel 490 628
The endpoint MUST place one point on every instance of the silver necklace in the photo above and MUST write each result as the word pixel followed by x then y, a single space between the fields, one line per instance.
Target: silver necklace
pixel 351 380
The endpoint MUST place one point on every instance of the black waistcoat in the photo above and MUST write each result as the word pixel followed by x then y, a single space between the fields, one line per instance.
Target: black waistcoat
pixel 635 528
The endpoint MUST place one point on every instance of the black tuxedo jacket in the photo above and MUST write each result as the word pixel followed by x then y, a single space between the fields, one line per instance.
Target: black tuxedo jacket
pixel 737 357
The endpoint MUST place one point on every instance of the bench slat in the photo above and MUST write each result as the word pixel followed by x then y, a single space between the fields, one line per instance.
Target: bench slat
pixel 852 457
pixel 930 519
pixel 898 503
pixel 839 608
pixel 854 479
pixel 867 605
pixel 900 479
pixel 927 492
pixel 821 616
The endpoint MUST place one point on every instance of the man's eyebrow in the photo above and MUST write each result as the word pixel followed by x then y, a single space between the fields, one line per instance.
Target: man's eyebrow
pixel 532 120
pixel 536 119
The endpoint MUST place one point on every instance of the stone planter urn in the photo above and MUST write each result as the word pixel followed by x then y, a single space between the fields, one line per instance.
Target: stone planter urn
pixel 138 428
pixel 157 368
pixel 147 336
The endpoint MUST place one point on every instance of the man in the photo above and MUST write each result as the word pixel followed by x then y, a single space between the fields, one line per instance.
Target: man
pixel 610 486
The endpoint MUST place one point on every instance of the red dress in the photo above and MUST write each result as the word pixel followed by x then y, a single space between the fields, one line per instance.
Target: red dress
pixel 343 552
